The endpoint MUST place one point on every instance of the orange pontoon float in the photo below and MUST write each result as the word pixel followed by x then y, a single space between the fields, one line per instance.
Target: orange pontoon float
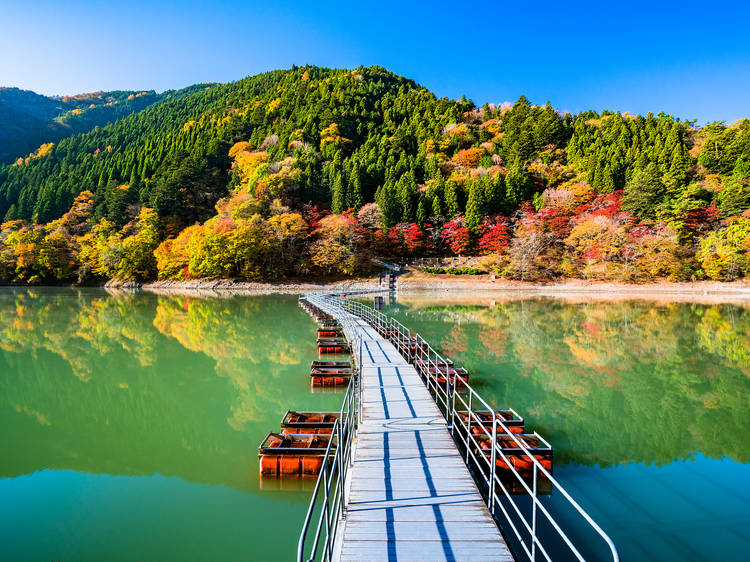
pixel 332 345
pixel 387 333
pixel 408 345
pixel 329 380
pixel 308 423
pixel 507 418
pixel 292 455
pixel 516 456
pixel 330 368
pixel 423 365
pixel 449 370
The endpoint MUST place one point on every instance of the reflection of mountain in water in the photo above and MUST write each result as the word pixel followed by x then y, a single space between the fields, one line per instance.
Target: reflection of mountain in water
pixel 607 383
pixel 137 384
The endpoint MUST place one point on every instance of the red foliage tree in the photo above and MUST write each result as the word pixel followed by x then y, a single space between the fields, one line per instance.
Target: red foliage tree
pixel 432 239
pixel 312 215
pixel 413 238
pixel 701 219
pixel 603 205
pixel 381 243
pixel 395 242
pixel 493 236
pixel 457 236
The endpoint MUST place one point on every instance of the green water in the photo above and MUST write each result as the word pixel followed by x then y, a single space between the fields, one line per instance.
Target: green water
pixel 130 425
pixel 646 406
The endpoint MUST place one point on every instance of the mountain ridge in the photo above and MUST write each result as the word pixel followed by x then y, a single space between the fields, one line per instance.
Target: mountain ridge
pixel 29 119
pixel 430 174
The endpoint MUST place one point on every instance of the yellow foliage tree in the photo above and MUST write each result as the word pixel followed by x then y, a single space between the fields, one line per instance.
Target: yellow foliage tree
pixel 173 255
pixel 273 106
pixel 238 147
pixel 331 136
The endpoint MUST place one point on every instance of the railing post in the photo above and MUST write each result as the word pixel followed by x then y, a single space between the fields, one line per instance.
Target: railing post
pixel 339 454
pixel 493 465
pixel 533 517
pixel 359 378
pixel 468 428
pixel 327 517
pixel 453 405
pixel 447 392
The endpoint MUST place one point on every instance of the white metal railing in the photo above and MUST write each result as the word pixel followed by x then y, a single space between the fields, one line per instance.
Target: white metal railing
pixel 329 494
pixel 500 486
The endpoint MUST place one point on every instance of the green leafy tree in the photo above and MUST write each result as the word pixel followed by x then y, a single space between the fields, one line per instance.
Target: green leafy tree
pixel 644 194
pixel 474 206
pixel 355 198
pixel 725 254
pixel 452 201
pixel 407 195
pixel 734 198
pixel 422 211
pixel 138 261
pixel 338 194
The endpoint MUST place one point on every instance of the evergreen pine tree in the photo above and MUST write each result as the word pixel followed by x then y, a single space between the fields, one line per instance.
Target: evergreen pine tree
pixel 385 197
pixel 452 204
pixel 422 211
pixel 407 193
pixel 517 187
pixel 338 195
pixel 734 198
pixel 644 193
pixel 494 192
pixel 435 209
pixel 354 192
pixel 474 205
pixel 134 180
pixel 678 167
pixel 11 214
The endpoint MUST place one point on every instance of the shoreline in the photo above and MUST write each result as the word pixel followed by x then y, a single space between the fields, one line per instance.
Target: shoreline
pixel 456 288
pixel 466 287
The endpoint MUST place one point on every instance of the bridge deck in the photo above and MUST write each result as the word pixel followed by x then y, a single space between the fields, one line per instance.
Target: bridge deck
pixel 410 494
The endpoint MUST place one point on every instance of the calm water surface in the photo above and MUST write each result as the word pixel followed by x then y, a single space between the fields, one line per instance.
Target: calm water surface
pixel 130 425
pixel 130 422
pixel 646 406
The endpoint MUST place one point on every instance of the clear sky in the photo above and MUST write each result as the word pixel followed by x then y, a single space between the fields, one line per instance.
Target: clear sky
pixel 690 59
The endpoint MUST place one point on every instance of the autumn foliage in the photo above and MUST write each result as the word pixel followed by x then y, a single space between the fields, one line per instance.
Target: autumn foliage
pixel 313 172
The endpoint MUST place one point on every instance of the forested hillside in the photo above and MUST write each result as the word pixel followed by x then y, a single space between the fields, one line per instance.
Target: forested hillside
pixel 29 120
pixel 314 171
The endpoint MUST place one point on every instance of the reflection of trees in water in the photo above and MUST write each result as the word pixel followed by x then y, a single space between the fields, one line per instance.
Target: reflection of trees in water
pixel 254 341
pixel 76 327
pixel 609 382
pixel 127 383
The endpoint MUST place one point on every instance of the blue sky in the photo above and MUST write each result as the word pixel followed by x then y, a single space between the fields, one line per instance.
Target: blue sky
pixel 690 59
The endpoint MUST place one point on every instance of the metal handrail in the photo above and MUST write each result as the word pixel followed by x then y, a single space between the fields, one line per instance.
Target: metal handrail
pixel 417 350
pixel 329 492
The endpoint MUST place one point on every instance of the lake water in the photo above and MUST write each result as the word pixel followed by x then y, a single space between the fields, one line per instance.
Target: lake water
pixel 130 422
pixel 646 406
pixel 130 425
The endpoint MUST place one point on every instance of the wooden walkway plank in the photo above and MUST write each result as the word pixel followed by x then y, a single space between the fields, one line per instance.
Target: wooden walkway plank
pixel 409 496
